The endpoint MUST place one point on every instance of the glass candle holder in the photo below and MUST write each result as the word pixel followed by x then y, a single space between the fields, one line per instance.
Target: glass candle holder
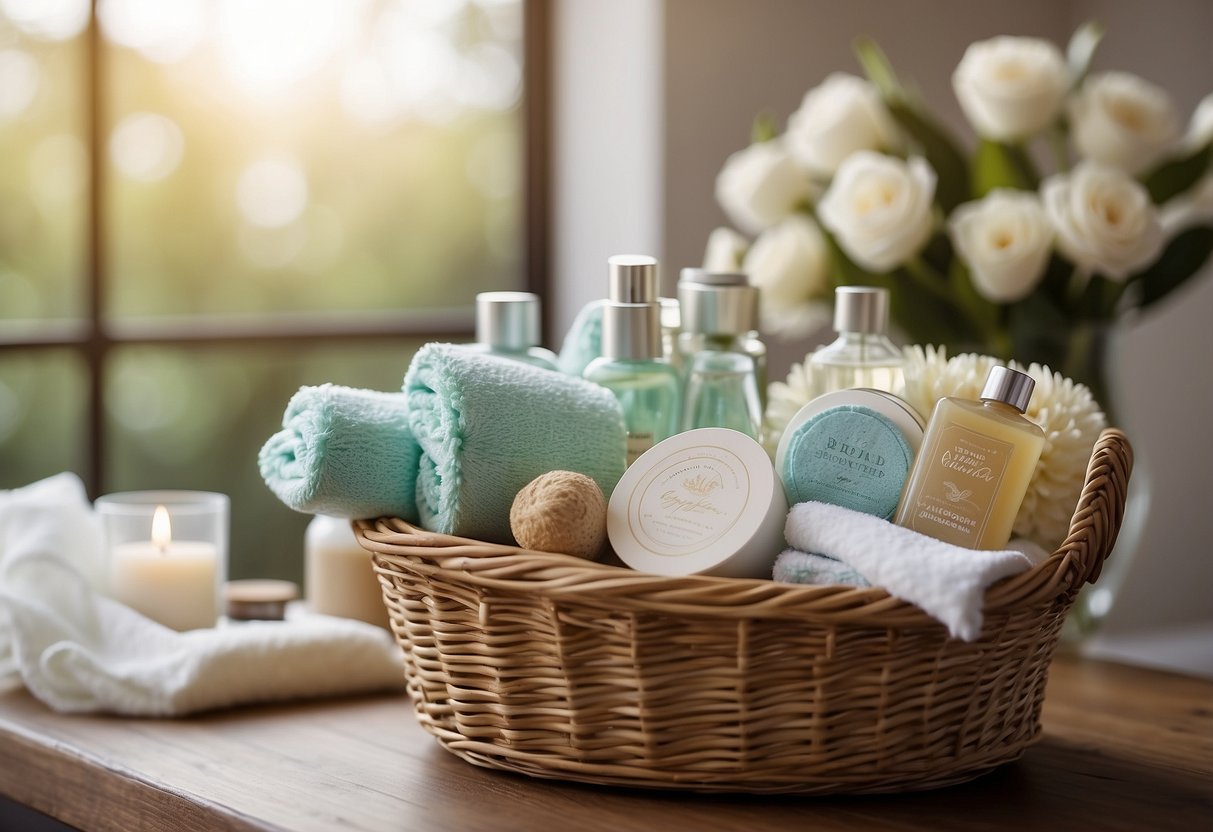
pixel 167 554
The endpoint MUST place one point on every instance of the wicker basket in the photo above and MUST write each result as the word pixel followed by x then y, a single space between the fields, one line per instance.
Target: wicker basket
pixel 555 667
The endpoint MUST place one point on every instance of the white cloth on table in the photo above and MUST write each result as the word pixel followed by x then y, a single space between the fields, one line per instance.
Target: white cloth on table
pixel 79 651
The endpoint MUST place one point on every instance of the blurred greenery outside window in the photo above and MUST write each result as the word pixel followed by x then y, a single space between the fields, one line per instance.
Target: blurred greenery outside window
pixel 336 168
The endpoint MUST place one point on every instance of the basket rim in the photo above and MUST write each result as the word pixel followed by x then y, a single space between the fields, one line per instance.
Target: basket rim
pixel 397 544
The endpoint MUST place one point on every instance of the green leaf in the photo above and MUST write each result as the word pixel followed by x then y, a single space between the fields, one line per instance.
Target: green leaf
pixel 999 165
pixel 984 312
pixel 930 137
pixel 1183 257
pixel 1100 298
pixel 765 128
pixel 1173 177
pixel 1081 50
pixel 939 149
pixel 877 67
pixel 1038 328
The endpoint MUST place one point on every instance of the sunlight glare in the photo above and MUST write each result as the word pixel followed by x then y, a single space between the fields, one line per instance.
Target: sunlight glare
pixel 19 77
pixel 164 31
pixel 272 192
pixel 47 19
pixel 268 45
pixel 146 146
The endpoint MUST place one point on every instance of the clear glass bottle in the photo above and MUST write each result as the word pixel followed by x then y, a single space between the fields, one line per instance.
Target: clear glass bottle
pixel 507 325
pixel 748 342
pixel 648 388
pixel 722 389
pixel 975 464
pixel 671 328
pixel 862 356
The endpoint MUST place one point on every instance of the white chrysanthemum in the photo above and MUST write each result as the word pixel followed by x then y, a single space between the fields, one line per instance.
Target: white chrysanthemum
pixel 784 400
pixel 1067 413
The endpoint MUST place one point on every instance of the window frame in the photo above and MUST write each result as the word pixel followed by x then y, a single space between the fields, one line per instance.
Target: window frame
pixel 95 337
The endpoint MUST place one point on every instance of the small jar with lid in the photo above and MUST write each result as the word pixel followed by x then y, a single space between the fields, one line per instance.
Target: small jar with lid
pixel 507 325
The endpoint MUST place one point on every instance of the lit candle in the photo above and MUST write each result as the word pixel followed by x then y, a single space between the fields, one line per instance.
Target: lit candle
pixel 170 581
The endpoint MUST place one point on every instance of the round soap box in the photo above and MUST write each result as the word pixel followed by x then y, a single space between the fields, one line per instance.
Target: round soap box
pixel 703 502
pixel 852 448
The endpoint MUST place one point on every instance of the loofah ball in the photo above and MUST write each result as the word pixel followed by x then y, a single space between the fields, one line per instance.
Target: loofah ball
pixel 560 511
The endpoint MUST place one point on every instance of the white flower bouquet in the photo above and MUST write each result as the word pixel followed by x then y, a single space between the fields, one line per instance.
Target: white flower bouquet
pixel 992 250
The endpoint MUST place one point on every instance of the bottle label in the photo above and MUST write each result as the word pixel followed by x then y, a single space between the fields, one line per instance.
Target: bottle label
pixel 957 495
pixel 638 443
pixel 688 501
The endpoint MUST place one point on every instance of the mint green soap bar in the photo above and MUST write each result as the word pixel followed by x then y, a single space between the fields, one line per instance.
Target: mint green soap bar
pixel 848 456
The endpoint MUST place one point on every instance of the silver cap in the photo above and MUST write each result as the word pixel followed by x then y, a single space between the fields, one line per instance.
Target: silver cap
pixel 631 330
pixel 507 320
pixel 671 313
pixel 697 275
pixel 861 309
pixel 632 278
pixel 718 308
pixel 1009 386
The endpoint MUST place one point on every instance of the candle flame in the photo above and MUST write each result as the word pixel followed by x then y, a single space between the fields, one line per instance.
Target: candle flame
pixel 162 530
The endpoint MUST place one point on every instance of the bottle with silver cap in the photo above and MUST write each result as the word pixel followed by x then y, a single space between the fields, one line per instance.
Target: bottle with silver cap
pixel 728 296
pixel 862 356
pixel 507 325
pixel 648 388
pixel 722 388
pixel 975 464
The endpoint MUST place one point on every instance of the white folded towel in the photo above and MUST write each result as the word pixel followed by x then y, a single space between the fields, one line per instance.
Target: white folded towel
pixel 947 582
pixel 79 652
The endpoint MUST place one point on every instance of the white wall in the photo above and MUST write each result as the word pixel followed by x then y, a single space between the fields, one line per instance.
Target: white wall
pixel 722 61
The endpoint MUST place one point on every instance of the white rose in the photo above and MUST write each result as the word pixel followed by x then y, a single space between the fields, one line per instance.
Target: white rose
pixel 1006 239
pixel 759 186
pixel 1104 220
pixel 1010 87
pixel 1200 128
pixel 790 265
pixel 879 208
pixel 838 117
pixel 1124 121
pixel 725 250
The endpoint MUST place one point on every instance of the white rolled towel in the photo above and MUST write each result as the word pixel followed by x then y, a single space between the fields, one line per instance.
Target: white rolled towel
pixel 947 582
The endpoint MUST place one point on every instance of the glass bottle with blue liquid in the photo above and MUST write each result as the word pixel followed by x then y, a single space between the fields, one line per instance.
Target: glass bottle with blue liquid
pixel 507 325
pixel 722 387
pixel 631 366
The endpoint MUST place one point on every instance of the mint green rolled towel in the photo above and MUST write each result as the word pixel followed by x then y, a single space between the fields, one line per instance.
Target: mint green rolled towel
pixel 344 452
pixel 583 342
pixel 488 426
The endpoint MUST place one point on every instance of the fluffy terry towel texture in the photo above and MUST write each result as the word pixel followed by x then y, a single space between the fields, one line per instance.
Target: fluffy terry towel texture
pixel 80 652
pixel 793 567
pixel 583 342
pixel 488 426
pixel 948 582
pixel 344 452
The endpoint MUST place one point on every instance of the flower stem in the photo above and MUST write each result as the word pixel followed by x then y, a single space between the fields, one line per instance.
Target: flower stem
pixel 929 279
pixel 1061 151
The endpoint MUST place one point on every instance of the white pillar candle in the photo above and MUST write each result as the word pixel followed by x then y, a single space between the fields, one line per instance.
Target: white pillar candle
pixel 338 573
pixel 170 581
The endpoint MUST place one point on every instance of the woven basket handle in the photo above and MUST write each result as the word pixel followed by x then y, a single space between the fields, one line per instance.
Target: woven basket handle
pixel 1101 507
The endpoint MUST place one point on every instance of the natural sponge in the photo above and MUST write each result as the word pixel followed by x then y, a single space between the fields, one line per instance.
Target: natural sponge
pixel 560 511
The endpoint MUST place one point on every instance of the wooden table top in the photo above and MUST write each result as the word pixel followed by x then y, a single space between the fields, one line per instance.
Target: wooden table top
pixel 1123 749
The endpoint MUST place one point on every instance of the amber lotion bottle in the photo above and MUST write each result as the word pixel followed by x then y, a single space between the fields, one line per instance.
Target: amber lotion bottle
pixel 976 461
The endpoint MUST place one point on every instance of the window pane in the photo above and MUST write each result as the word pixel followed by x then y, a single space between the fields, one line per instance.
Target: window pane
pixel 312 155
pixel 42 426
pixel 196 418
pixel 43 160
